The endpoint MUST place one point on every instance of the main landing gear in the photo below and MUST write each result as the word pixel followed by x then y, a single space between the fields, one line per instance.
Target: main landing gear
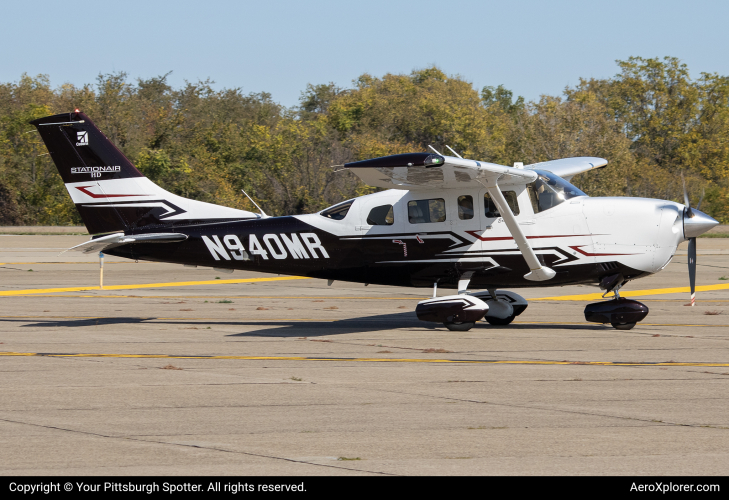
pixel 460 327
pixel 459 313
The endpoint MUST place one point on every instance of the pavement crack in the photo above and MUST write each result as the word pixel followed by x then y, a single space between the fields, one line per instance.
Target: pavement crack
pixel 537 407
pixel 187 445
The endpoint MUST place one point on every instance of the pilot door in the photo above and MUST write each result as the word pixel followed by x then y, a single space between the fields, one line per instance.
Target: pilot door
pixel 498 246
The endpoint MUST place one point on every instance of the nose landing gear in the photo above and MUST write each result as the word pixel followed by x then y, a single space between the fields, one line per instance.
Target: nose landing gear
pixel 621 313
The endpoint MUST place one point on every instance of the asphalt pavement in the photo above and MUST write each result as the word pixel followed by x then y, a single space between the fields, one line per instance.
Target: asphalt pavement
pixel 172 370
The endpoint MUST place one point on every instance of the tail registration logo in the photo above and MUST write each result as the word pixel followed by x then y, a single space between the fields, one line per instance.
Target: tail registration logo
pixel 82 138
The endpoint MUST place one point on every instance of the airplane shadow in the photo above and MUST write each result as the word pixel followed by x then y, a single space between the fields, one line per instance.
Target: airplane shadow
pixel 71 323
pixel 313 328
pixel 388 322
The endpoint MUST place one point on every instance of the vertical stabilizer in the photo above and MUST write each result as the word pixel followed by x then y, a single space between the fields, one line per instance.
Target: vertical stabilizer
pixel 109 192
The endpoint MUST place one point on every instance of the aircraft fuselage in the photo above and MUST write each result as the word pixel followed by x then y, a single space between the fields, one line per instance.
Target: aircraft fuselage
pixel 582 239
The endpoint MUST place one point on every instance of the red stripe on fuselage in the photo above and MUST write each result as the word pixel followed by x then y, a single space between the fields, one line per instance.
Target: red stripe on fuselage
pixel 577 248
pixel 84 190
pixel 502 238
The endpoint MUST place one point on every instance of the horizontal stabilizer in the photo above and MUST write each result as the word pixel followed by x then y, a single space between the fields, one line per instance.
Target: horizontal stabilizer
pixel 569 167
pixel 118 239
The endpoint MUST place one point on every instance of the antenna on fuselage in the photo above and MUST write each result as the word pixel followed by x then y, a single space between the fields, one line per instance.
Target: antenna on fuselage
pixel 461 157
pixel 263 214
pixel 436 151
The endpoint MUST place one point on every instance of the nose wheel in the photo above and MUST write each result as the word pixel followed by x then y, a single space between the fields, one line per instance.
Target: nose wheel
pixel 623 326
pixel 621 313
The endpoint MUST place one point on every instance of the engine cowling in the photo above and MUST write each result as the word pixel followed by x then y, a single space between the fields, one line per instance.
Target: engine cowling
pixel 452 309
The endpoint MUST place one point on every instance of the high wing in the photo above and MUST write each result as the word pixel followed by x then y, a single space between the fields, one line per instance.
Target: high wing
pixel 432 171
pixel 569 167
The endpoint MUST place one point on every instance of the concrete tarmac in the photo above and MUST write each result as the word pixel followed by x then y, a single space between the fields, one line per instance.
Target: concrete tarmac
pixel 293 377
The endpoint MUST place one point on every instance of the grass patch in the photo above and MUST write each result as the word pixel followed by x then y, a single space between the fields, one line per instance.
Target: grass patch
pixel 225 301
pixel 297 379
pixel 714 235
pixel 343 459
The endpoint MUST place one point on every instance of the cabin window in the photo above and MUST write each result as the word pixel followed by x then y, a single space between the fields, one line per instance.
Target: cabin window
pixel 381 216
pixel 490 207
pixel 338 212
pixel 422 211
pixel 465 207
pixel 550 190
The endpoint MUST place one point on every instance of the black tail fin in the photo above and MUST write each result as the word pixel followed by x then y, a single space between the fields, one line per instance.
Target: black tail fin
pixel 109 192
pixel 81 151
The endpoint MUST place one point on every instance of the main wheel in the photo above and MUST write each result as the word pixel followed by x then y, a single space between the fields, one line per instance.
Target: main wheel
pixel 500 321
pixel 623 326
pixel 459 327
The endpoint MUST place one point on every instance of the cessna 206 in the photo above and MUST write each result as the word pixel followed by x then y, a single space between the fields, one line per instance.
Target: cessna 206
pixel 444 221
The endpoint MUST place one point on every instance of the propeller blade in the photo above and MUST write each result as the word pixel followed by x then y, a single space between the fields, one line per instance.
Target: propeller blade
pixel 703 192
pixel 692 269
pixel 689 212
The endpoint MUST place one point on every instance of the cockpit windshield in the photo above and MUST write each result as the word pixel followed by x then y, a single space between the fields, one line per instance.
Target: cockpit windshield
pixel 338 212
pixel 550 190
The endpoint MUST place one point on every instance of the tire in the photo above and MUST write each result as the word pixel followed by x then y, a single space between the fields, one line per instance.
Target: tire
pixel 500 321
pixel 459 327
pixel 623 326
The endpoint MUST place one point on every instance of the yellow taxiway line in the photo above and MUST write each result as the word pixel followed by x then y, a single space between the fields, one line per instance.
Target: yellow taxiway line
pixel 639 293
pixel 148 285
pixel 80 262
pixel 163 318
pixel 370 360
pixel 581 297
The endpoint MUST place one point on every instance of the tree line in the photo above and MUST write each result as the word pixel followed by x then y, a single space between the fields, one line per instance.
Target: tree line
pixel 652 121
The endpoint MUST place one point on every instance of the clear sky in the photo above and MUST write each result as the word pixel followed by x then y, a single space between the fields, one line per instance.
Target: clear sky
pixel 531 47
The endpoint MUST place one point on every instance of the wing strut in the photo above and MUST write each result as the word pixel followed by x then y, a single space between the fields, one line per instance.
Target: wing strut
pixel 538 271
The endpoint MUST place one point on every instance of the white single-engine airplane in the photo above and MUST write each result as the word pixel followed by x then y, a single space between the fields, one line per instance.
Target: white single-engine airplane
pixel 444 221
